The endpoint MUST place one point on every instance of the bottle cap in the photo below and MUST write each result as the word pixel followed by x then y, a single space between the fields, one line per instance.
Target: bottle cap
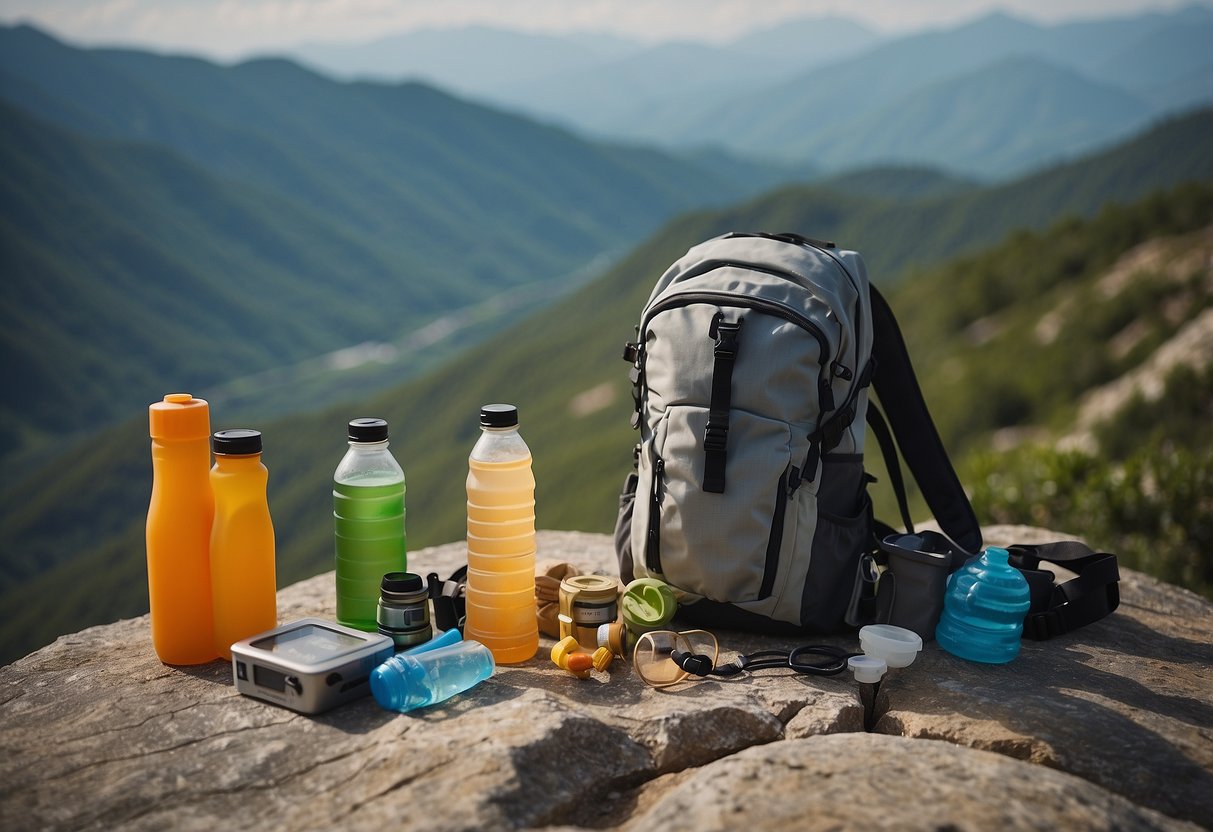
pixel 498 416
pixel 179 417
pixel 647 604
pixel 236 442
pixel 367 430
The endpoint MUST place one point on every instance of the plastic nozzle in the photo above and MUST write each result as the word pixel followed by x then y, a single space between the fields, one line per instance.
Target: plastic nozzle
pixel 867 668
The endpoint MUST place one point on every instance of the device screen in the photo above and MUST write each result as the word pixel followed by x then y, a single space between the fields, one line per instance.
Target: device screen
pixel 309 644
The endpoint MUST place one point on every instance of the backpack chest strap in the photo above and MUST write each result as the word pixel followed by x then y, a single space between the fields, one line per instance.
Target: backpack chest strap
pixel 716 434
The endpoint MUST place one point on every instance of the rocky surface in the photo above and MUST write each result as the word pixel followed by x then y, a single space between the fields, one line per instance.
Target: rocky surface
pixel 1110 727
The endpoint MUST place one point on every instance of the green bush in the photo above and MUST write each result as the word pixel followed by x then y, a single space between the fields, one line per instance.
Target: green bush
pixel 1154 509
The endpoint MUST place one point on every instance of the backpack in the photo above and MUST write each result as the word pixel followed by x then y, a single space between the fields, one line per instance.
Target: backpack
pixel 751 371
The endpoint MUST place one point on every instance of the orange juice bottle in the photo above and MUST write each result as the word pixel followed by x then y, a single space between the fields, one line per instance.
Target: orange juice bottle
pixel 501 607
pixel 243 585
pixel 179 531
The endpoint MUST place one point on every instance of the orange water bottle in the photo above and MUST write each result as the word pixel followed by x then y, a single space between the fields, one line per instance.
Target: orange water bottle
pixel 243 584
pixel 179 531
pixel 501 608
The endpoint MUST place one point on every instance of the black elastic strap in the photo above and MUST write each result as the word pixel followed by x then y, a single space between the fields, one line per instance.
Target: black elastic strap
pixel 892 463
pixel 716 434
pixel 901 397
pixel 1058 608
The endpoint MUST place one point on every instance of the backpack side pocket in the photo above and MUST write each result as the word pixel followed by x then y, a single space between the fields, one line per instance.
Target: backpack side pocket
pixel 623 527
pixel 842 535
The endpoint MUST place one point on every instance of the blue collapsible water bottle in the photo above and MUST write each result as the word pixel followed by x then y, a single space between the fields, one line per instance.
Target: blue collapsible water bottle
pixel 983 610
pixel 414 680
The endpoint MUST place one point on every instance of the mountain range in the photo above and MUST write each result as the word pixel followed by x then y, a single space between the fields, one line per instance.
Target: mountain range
pixel 1006 93
pixel 301 250
pixel 561 368
pixel 171 223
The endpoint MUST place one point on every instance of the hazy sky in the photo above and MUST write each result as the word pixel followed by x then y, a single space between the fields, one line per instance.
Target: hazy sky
pixel 230 28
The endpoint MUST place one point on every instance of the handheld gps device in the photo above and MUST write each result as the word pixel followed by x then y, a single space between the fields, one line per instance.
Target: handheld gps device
pixel 309 665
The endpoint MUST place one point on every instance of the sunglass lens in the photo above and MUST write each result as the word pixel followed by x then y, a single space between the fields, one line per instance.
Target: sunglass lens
pixel 652 659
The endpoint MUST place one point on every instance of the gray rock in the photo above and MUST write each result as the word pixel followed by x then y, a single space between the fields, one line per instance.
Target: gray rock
pixel 96 733
pixel 1124 702
pixel 869 781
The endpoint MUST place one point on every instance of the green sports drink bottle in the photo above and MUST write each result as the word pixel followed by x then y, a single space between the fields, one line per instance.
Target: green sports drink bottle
pixel 368 522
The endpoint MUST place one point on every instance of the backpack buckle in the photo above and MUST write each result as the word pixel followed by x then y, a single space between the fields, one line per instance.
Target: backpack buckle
pixel 1043 626
pixel 726 335
pixel 715 436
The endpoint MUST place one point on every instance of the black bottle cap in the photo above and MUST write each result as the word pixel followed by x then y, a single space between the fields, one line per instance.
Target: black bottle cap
pixel 367 430
pixel 236 442
pixel 498 416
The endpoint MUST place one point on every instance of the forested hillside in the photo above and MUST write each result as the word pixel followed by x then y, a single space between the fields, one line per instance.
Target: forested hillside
pixel 562 369
pixel 168 222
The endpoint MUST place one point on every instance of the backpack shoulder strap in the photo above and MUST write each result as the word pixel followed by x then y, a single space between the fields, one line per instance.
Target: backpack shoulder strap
pixel 900 396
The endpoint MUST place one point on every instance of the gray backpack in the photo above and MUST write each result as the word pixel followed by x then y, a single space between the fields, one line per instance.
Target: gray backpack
pixel 750 375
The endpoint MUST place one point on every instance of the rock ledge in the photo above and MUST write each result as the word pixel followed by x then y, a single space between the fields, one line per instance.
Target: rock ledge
pixel 1107 728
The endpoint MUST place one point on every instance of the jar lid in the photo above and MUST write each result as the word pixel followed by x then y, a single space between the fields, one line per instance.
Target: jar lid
pixel 402 586
pixel 591 587
pixel 648 603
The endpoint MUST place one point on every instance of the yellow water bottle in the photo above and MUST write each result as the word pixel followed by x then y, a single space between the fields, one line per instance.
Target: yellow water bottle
pixel 501 607
pixel 243 586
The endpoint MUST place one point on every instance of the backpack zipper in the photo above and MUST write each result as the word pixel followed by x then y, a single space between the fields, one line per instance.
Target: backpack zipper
pixel 652 547
pixel 825 393
pixel 827 248
pixel 775 541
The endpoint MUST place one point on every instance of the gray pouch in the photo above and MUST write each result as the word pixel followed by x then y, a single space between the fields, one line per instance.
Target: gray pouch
pixel 911 590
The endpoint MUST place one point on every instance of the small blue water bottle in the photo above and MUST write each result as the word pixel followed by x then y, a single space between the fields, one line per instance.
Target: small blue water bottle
pixel 983 610
pixel 413 680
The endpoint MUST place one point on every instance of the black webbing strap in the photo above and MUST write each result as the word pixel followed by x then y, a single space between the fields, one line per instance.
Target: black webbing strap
pixel 917 438
pixel 892 463
pixel 448 598
pixel 1061 607
pixel 716 434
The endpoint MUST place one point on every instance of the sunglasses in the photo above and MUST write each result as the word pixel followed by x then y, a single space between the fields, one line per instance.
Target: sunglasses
pixel 660 655
pixel 663 658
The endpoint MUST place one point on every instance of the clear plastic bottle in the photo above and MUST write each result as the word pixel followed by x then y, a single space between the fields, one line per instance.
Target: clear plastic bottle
pixel 368 522
pixel 243 587
pixel 501 606
pixel 179 531
pixel 413 680
pixel 983 609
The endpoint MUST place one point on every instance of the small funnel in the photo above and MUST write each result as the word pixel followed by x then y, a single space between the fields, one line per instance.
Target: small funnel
pixel 896 645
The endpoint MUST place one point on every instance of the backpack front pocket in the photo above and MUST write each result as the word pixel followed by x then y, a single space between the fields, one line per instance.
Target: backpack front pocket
pixel 722 546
